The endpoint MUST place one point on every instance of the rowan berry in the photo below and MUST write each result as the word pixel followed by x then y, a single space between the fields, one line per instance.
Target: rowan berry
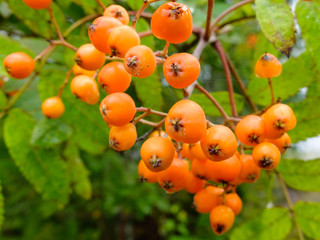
pixel 118 12
pixel 266 155
pixel 86 89
pixel 250 172
pixel 194 184
pixel 268 66
pixel 89 58
pixel 221 219
pixel 19 65
pixel 52 107
pixel 233 201
pixel 282 143
pixel 145 175
pixel 38 4
pixel 77 70
pixel 198 168
pixel 122 138
pixel 207 199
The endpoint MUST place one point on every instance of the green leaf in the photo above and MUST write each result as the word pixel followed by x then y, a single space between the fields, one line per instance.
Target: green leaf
pixel 308 119
pixel 90 131
pixel 297 73
pixel 37 21
pixel 301 175
pixel 308 19
pixel 1 207
pixel 135 4
pixel 43 168
pixel 277 23
pixel 272 224
pixel 49 133
pixel 308 217
pixel 3 100
pixel 223 100
pixel 79 174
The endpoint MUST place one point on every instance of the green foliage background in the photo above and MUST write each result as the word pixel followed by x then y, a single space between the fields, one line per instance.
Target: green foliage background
pixel 61 181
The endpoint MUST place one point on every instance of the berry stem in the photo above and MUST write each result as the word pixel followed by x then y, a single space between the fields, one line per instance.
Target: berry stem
pixel 209 15
pixel 145 34
pixel 142 116
pixel 271 90
pixel 55 24
pixel 164 52
pixel 44 52
pixel 225 13
pixel 152 124
pixel 138 14
pixel 66 80
pixel 289 203
pixel 241 85
pixel 150 111
pixel 79 23
pixel 100 4
pixel 213 100
pixel 64 43
pixel 143 14
pixel 158 126
pixel 223 56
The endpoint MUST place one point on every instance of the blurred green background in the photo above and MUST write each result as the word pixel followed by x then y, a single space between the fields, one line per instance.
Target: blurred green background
pixel 60 179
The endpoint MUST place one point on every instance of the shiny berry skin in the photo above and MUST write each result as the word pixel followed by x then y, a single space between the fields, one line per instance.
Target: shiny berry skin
pixel 99 32
pixel 89 58
pixel 122 138
pixel 282 143
pixel 86 89
pixel 145 175
pixel 268 66
pixel 266 155
pixel 140 61
pixel 114 78
pixel 52 107
pixel 181 69
pixel 38 4
pixel 19 65
pixel 172 22
pixel 118 12
pixel 221 219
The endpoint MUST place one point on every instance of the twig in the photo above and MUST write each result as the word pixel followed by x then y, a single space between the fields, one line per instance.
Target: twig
pixel 233 21
pixel 44 52
pixel 143 115
pixel 55 24
pixel 290 205
pixel 144 136
pixel 79 23
pixel 145 34
pixel 214 101
pixel 229 10
pixel 209 14
pixel 241 85
pixel 271 90
pixel 100 4
pixel 225 65
pixel 154 112
pixel 66 80
pixel 64 43
pixel 138 14
pixel 143 14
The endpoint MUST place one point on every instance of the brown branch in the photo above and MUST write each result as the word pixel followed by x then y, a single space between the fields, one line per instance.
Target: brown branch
pixel 66 80
pixel 55 24
pixel 143 14
pixel 214 101
pixel 154 112
pixel 79 23
pixel 138 14
pixel 64 43
pixel 271 90
pixel 225 65
pixel 209 15
pixel 100 4
pixel 145 33
pixel 241 85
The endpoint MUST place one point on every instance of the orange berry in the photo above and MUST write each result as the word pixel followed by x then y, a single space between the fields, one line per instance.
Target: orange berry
pixel 172 22
pixel 268 66
pixel 234 202
pixel 19 65
pixel 278 119
pixel 282 143
pixel 174 178
pixel 186 122
pixel 80 71
pixel 194 184
pixel 157 153
pixel 219 143
pixel 185 151
pixel 196 151
pixel 181 69
pixel 221 219
pixel 145 175
pixel 99 32
pixel 38 4
pixel 114 78
pixel 121 39
pixel 118 109
pixel 118 12
pixel 198 168
pixel 207 199
pixel 123 138
pixel 161 133
pixel 140 61
pixel 250 172
pixel 250 130
pixel 223 171
pixel 52 107
pixel 266 155
pixel 89 58
pixel 86 89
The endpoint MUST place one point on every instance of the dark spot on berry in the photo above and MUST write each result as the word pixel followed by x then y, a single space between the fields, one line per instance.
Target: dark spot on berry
pixel 214 150
pixel 265 162
pixel 219 228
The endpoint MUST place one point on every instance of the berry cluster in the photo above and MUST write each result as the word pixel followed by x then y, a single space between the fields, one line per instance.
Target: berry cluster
pixel 192 153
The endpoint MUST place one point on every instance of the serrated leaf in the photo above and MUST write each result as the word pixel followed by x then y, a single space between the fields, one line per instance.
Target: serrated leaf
pixel 43 168
pixel 308 119
pixel 49 133
pixel 273 223
pixel 308 19
pixel 297 73
pixel 79 175
pixel 277 23
pixel 223 100
pixel 301 175
pixel 90 131
pixel 308 217
pixel 37 21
